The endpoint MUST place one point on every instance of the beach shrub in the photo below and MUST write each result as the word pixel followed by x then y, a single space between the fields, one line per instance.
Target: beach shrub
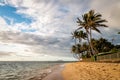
pixel 114 50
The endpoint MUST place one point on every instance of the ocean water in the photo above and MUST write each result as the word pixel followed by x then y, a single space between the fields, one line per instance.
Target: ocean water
pixel 22 70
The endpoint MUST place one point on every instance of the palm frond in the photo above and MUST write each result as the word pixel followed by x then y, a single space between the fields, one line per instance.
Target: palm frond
pixel 94 28
pixel 101 25
pixel 100 21
pixel 85 18
pixel 91 12
pixel 79 21
pixel 79 28
pixel 98 15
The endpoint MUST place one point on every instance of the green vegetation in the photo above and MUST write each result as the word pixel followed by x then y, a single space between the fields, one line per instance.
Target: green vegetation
pixel 102 45
pixel 91 47
pixel 77 49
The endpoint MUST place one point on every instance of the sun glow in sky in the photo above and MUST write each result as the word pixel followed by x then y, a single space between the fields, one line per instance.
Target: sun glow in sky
pixel 41 29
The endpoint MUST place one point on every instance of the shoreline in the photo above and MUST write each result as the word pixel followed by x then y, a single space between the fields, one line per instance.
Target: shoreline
pixel 81 71
pixel 48 73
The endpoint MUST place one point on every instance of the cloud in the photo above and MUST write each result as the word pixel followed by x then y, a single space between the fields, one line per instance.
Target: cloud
pixel 38 44
pixel 50 34
pixel 110 10
pixel 3 54
pixel 4 25
pixel 52 23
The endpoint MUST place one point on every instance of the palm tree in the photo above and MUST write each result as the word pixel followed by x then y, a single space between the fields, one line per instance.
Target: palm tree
pixel 102 45
pixel 79 35
pixel 76 49
pixel 95 44
pixel 75 36
pixel 91 21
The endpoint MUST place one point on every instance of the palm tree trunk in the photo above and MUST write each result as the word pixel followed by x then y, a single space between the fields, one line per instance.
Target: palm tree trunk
pixel 79 56
pixel 75 41
pixel 89 50
pixel 91 45
pixel 79 40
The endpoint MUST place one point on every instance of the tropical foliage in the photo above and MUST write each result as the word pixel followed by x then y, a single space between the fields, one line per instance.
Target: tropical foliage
pixel 90 21
pixel 78 36
pixel 85 45
pixel 102 45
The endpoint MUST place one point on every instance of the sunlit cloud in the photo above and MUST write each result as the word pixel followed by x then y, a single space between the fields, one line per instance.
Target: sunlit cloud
pixel 43 27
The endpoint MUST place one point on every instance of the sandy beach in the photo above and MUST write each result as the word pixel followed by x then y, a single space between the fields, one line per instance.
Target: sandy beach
pixel 91 71
pixel 81 71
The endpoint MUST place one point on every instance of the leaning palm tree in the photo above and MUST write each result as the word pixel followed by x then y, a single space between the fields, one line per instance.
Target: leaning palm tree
pixel 91 21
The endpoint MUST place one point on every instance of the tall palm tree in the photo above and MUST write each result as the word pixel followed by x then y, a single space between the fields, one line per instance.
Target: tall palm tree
pixel 91 21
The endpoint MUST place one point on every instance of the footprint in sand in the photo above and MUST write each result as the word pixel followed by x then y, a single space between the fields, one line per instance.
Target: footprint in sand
pixel 104 70
pixel 98 68
pixel 102 66
pixel 114 69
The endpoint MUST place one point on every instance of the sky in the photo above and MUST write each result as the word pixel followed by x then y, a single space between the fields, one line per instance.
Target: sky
pixel 40 30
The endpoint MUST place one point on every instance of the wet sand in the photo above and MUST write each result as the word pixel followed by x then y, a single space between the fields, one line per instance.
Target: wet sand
pixel 56 73
pixel 51 73
pixel 91 71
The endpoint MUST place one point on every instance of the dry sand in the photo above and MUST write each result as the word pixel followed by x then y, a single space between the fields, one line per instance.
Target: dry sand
pixel 91 71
